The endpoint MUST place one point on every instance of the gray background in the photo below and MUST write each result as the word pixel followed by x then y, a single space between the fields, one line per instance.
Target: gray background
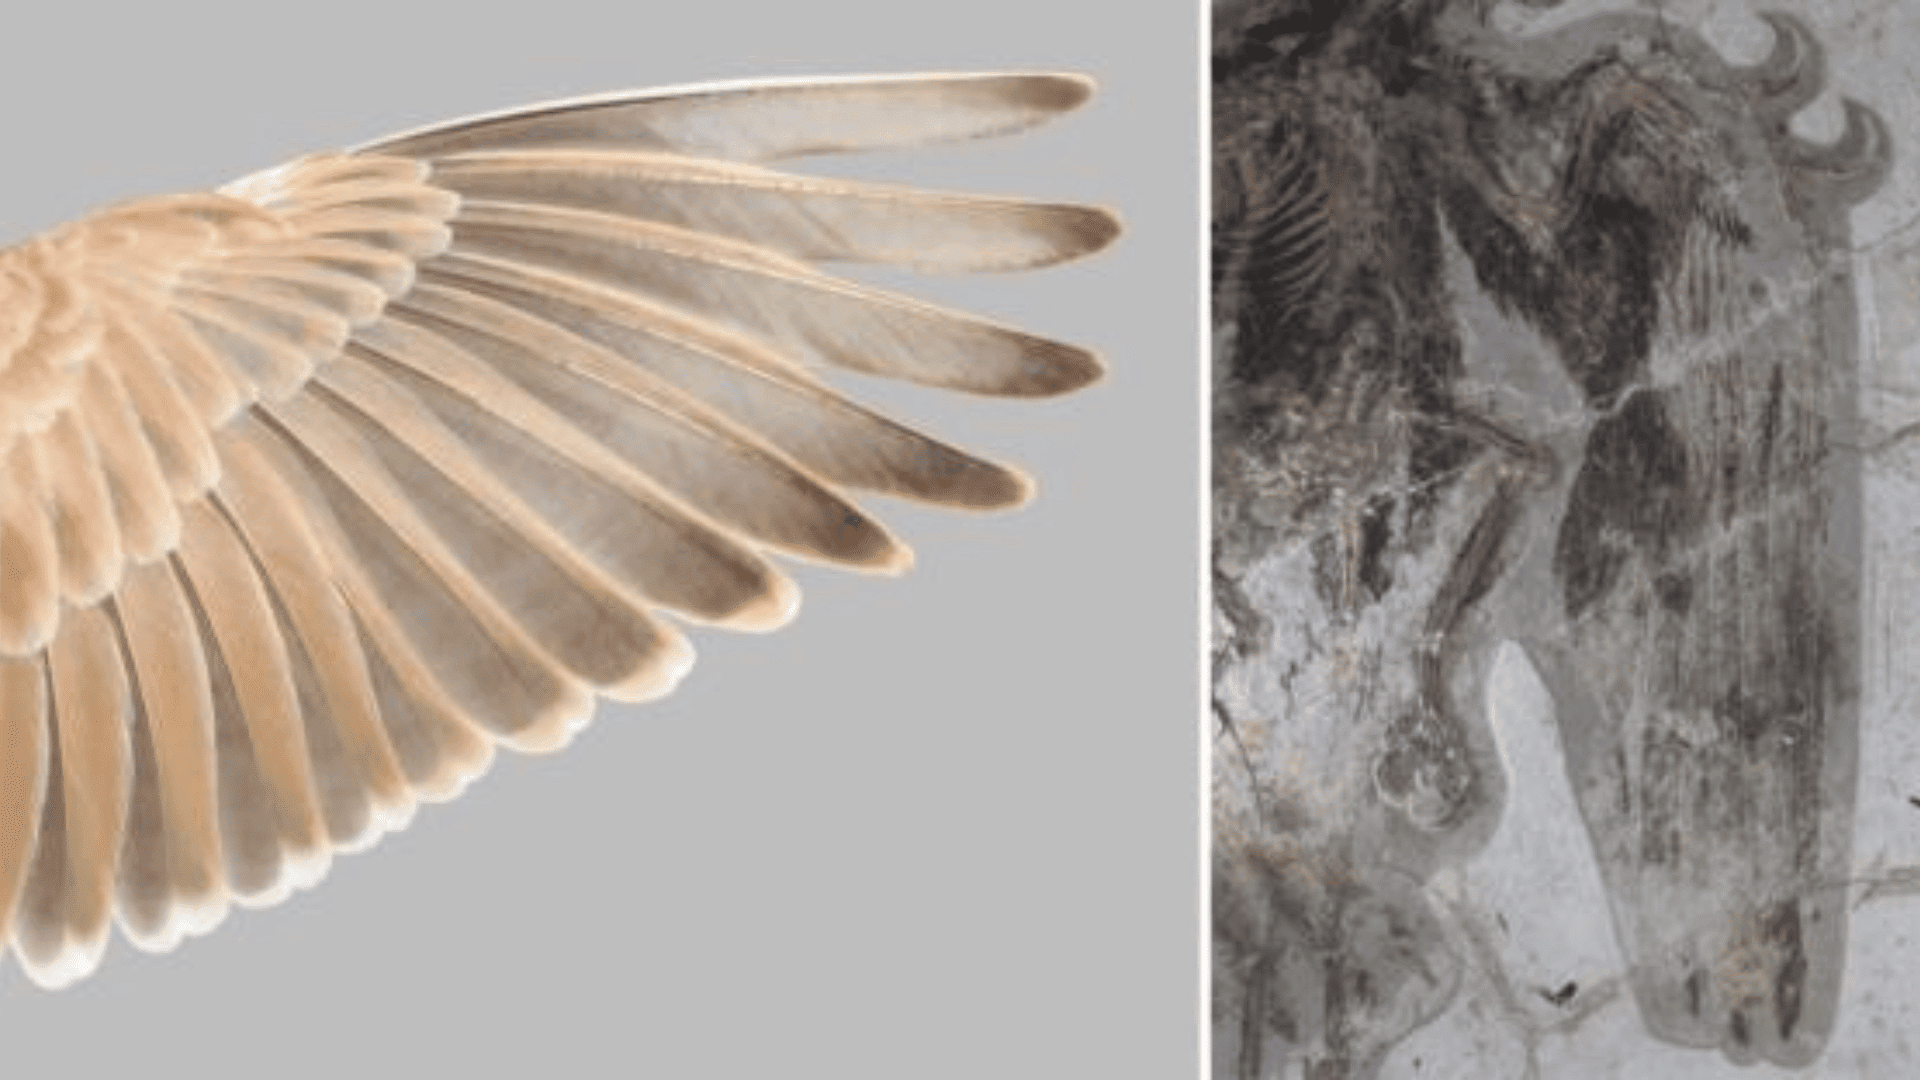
pixel 942 826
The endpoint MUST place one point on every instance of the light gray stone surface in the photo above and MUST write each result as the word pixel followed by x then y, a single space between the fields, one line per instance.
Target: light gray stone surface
pixel 1531 899
pixel 1541 992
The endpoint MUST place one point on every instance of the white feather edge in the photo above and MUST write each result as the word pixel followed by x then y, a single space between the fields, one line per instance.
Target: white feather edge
pixel 719 87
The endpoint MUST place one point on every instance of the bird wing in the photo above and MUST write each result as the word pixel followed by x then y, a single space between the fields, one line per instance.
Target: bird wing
pixel 316 488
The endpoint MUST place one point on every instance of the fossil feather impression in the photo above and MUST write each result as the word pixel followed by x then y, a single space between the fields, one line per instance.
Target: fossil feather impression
pixel 316 488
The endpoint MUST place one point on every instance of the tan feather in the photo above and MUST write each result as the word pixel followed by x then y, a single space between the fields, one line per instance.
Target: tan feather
pixel 176 712
pixel 177 390
pixel 769 121
pixel 142 888
pixel 389 272
pixel 688 449
pixel 302 289
pixel 30 585
pixel 84 528
pixel 437 748
pixel 441 752
pixel 40 914
pixel 316 488
pixel 363 791
pixel 270 825
pixel 415 563
pixel 743 380
pixel 23 778
pixel 89 710
pixel 274 345
pixel 143 507
pixel 803 217
pixel 809 315
pixel 557 597
pixel 442 671
pixel 614 514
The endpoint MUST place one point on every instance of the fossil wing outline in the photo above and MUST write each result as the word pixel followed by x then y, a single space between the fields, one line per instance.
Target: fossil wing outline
pixel 1681 559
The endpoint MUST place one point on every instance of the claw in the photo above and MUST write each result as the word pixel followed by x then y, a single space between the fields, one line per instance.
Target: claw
pixel 1850 168
pixel 1792 73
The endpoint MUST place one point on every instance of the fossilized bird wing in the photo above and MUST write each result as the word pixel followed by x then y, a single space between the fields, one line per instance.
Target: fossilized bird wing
pixel 1708 560
pixel 316 488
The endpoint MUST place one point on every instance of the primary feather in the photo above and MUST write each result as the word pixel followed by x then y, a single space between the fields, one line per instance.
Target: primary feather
pixel 315 489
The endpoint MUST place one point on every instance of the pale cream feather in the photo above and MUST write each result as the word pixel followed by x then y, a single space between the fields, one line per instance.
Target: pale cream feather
pixel 317 488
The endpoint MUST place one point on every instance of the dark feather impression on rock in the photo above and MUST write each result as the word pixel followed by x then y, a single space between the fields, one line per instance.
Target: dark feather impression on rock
pixel 1549 340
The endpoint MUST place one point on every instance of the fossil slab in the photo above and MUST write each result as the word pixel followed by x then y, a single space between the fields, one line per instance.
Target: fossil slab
pixel 1548 338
